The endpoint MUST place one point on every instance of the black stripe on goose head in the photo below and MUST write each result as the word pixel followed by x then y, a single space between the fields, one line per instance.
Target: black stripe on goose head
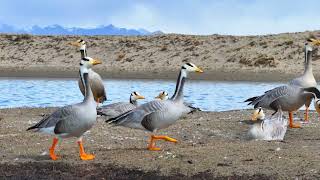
pixel 86 59
pixel 259 109
pixel 189 64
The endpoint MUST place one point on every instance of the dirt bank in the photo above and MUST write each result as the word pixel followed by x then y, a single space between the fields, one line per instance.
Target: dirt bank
pixel 268 58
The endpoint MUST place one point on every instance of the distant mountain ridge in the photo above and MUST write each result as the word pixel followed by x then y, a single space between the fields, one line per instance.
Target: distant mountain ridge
pixel 60 30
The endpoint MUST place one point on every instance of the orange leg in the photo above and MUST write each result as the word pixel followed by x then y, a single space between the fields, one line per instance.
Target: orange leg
pixel 306 116
pixel 291 124
pixel 83 155
pixel 153 138
pixel 51 150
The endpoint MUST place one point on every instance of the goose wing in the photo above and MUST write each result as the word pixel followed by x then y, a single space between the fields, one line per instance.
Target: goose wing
pixel 275 127
pixel 272 95
pixel 97 87
pixel 143 116
pixel 115 109
pixel 62 114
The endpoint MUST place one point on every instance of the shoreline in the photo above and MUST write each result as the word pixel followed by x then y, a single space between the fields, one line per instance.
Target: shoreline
pixel 211 75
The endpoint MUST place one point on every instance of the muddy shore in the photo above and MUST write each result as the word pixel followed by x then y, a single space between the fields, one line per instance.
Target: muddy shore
pixel 211 145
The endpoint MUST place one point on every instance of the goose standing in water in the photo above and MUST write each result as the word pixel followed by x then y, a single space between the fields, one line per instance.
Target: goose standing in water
pixel 307 79
pixel 156 114
pixel 96 82
pixel 115 109
pixel 289 98
pixel 73 120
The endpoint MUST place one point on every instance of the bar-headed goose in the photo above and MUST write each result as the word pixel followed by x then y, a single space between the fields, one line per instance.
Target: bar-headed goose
pixel 163 95
pixel 96 82
pixel 272 128
pixel 73 120
pixel 289 98
pixel 115 109
pixel 156 114
pixel 307 79
pixel 258 114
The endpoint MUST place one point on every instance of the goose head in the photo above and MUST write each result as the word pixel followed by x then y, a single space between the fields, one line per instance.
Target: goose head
pixel 87 63
pixel 134 96
pixel 258 114
pixel 314 42
pixel 307 47
pixel 163 95
pixel 190 67
pixel 79 43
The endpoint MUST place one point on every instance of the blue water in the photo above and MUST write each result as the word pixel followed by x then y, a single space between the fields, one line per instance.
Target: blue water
pixel 208 95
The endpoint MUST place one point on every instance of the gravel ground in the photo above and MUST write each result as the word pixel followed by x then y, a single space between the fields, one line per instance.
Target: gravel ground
pixel 211 145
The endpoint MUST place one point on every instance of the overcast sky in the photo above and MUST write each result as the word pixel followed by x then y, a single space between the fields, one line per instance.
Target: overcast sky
pixel 237 17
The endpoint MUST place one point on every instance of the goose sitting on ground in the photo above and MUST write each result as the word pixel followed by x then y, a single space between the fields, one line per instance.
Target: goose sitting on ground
pixel 156 114
pixel 96 82
pixel 258 114
pixel 307 79
pixel 272 128
pixel 115 109
pixel 73 120
pixel 289 98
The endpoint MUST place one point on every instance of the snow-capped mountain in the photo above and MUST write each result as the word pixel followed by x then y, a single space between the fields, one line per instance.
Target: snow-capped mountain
pixel 60 30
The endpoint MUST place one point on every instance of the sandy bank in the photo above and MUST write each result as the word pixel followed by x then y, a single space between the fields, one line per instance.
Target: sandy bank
pixel 254 58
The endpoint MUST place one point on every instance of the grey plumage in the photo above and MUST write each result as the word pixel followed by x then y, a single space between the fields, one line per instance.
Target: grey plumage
pixel 70 121
pixel 115 109
pixel 97 86
pixel 73 120
pixel 307 78
pixel 288 98
pixel 96 82
pixel 156 114
pixel 272 128
pixel 163 95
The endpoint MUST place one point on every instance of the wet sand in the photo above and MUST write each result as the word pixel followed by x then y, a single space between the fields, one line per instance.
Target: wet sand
pixel 211 145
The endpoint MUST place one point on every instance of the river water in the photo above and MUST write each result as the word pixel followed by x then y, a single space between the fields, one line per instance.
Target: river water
pixel 207 95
